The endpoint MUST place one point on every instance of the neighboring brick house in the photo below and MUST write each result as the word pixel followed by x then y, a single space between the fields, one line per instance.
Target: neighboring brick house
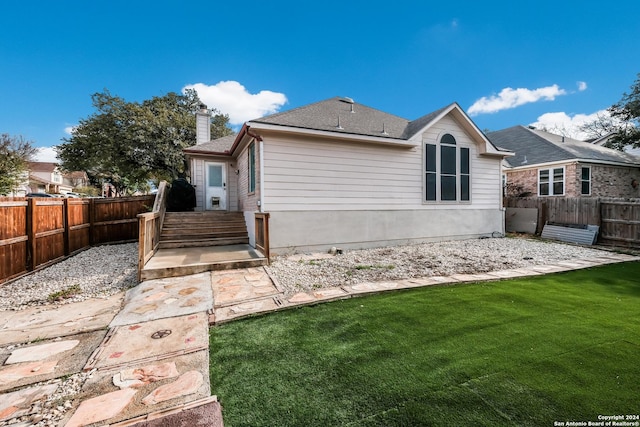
pixel 546 164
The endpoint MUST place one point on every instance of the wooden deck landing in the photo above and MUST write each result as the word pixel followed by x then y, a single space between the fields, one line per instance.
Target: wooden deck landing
pixel 174 262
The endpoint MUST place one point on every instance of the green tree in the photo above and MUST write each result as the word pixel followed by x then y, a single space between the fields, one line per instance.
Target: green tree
pixel 130 143
pixel 15 153
pixel 627 111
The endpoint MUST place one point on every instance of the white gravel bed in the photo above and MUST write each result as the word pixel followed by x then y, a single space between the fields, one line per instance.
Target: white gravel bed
pixel 97 272
pixel 423 260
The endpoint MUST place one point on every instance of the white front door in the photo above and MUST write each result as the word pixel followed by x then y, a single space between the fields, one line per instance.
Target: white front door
pixel 215 195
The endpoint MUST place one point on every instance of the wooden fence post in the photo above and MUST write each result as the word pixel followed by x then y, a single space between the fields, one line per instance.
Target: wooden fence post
pixel 92 230
pixel 65 225
pixel 31 235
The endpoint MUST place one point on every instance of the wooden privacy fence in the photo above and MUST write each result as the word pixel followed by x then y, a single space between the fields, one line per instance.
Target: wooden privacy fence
pixel 36 232
pixel 618 219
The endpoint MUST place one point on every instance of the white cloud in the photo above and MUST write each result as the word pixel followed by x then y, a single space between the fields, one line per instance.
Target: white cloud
pixel 562 123
pixel 46 154
pixel 69 129
pixel 232 98
pixel 582 86
pixel 511 98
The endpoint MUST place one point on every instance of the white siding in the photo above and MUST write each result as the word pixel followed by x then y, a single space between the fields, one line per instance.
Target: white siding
pixel 301 175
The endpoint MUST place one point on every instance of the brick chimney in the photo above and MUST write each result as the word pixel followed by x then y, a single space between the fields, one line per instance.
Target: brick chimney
pixel 203 125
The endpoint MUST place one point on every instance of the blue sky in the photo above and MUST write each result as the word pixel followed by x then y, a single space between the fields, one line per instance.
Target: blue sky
pixel 505 63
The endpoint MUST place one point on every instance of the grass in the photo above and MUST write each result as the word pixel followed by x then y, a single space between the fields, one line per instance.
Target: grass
pixel 64 293
pixel 523 352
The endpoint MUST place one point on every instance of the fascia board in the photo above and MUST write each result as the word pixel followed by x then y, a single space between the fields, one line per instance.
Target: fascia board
pixel 393 142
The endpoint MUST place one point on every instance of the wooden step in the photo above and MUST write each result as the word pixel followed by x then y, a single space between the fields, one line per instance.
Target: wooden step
pixel 191 237
pixel 210 228
pixel 220 241
pixel 204 230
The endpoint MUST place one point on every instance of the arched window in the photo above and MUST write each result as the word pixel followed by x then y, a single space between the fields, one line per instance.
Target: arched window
pixel 447 170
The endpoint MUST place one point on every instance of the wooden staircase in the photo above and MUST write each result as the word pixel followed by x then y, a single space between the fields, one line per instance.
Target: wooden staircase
pixel 196 242
pixel 200 229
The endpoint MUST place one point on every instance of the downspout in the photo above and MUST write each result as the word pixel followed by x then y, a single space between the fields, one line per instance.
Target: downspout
pixel 262 209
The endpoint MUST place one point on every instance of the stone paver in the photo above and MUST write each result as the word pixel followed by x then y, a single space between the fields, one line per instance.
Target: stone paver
pixel 225 314
pixel 162 298
pixel 46 360
pixel 138 377
pixel 187 383
pixel 183 392
pixel 152 340
pixel 13 373
pixel 101 408
pixel 58 321
pixel 472 277
pixel 40 352
pixel 241 285
pixel 301 298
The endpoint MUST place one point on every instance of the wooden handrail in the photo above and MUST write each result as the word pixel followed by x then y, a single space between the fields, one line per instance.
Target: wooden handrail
pixel 150 227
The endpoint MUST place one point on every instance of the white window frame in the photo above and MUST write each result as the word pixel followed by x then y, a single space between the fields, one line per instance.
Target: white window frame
pixel 585 180
pixel 551 181
pixel 251 167
pixel 438 172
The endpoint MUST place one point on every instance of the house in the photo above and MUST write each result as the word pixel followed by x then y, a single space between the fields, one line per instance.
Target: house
pixel 46 177
pixel 339 173
pixel 546 164
pixel 76 179
pixel 603 140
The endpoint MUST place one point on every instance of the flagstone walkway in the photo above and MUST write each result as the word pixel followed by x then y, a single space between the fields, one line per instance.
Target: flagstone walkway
pixel 148 351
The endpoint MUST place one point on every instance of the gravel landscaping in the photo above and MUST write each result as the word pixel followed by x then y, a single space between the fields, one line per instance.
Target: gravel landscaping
pixel 299 274
pixel 102 271
pixel 98 272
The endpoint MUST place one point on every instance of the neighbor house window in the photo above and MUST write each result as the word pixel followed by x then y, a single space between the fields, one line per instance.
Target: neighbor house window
pixel 252 168
pixel 447 171
pixel 551 182
pixel 585 180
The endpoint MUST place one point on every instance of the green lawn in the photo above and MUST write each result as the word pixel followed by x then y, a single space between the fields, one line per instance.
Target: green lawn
pixel 562 347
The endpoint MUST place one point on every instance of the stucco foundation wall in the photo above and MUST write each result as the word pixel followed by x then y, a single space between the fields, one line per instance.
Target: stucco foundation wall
pixel 312 231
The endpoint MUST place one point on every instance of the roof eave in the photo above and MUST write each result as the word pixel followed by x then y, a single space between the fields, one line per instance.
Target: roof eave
pixel 487 149
pixel 563 162
pixel 388 141
pixel 206 152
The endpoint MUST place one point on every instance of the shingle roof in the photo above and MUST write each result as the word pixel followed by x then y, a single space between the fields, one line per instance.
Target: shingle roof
pixel 219 145
pixel 343 115
pixel 535 146
pixel 42 166
pixel 351 117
